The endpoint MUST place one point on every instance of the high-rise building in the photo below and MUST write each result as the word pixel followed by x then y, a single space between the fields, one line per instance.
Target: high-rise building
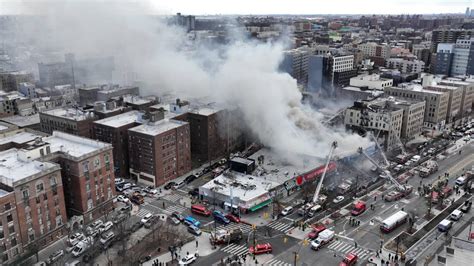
pixel 454 102
pixel 468 13
pixel 405 66
pixel 444 59
pixel 295 63
pixel 449 36
pixel 463 58
pixel 11 80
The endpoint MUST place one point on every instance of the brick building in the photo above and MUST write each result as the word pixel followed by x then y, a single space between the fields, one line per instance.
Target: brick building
pixel 87 170
pixel 10 241
pixel 68 120
pixel 159 151
pixel 39 198
pixel 114 130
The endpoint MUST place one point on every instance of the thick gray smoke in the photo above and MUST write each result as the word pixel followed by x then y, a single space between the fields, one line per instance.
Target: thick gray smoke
pixel 243 74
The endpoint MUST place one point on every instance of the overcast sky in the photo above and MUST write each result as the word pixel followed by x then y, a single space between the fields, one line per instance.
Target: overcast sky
pixel 212 7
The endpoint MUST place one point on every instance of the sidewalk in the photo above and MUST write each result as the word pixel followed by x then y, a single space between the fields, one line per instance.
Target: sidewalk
pixel 204 249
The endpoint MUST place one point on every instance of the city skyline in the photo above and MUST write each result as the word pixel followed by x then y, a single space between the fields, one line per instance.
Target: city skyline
pixel 260 7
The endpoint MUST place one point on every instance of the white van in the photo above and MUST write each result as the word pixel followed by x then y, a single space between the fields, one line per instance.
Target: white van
pixel 456 215
pixel 460 181
pixel 314 210
pixel 444 225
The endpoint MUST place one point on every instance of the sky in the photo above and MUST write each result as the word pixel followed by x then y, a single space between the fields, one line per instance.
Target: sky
pixel 214 7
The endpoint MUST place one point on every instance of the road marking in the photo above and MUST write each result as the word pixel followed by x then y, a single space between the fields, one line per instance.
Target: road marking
pixel 275 262
pixel 235 249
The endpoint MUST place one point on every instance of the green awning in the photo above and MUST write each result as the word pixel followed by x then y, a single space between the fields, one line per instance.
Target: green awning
pixel 260 205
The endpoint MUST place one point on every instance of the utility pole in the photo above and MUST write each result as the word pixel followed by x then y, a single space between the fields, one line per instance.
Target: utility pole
pixel 254 227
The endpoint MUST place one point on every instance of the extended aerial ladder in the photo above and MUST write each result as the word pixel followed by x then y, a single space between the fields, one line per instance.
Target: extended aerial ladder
pixel 320 184
pixel 387 163
pixel 387 173
pixel 402 147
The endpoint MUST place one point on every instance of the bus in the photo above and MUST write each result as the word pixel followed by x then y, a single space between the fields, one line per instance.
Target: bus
pixel 393 221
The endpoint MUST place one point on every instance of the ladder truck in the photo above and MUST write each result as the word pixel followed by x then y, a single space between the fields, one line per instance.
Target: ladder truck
pixel 320 184
pixel 387 173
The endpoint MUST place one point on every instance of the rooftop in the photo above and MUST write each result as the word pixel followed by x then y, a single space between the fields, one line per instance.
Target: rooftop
pixel 158 127
pixel 244 187
pixel 70 113
pixel 13 169
pixel 20 137
pixel 121 119
pixel 22 121
pixel 415 87
pixel 206 111
pixel 72 145
pixel 136 99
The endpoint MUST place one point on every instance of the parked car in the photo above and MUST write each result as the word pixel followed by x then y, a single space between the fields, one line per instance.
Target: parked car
pixel 338 199
pixel 96 224
pixel 232 218
pixel 456 215
pixel 178 216
pixel 179 185
pixel 200 209
pixel 189 259
pixel 75 238
pixel 119 181
pixel 466 206
pixel 261 248
pixel 146 218
pixel 190 178
pixel 150 190
pixel 82 247
pixel 107 237
pixel 194 230
pixel 106 227
pixel 169 185
pixel 55 257
pixel 126 208
pixel 174 220
pixel 122 198
pixel 287 210
pixel 220 217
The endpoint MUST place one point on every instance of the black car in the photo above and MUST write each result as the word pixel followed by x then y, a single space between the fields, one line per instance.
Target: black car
pixel 178 216
pixel 466 207
pixel 194 192
pixel 190 179
pixel 170 185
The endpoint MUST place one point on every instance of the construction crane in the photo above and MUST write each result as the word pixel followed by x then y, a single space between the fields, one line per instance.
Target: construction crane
pixel 387 173
pixel 320 184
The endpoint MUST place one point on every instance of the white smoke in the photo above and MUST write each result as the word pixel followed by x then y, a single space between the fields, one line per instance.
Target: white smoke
pixel 243 74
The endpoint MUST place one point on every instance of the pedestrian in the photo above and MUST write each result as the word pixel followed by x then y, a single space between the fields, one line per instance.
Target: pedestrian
pixel 197 243
pixel 355 244
pixel 375 198
pixel 382 196
pixel 396 257
pixel 389 256
pixel 382 262
pixel 358 223
pixel 421 183
pixel 187 253
pixel 163 204
pixel 377 254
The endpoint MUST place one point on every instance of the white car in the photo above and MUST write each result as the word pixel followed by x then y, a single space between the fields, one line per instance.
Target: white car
pixel 122 198
pixel 338 199
pixel 188 259
pixel 106 227
pixel 287 211
pixel 106 237
pixel 75 238
pixel 96 224
pixel 146 218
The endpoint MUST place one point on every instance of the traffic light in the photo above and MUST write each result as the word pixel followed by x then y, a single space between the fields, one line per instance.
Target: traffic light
pixel 285 239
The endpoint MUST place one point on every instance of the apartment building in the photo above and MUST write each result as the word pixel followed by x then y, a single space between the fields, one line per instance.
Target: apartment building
pixel 413 116
pixel 114 130
pixel 38 196
pixel 11 80
pixel 10 241
pixel 87 171
pixel 376 116
pixel 405 66
pixel 454 102
pixel 467 98
pixel 436 102
pixel 372 82
pixel 69 120
pixel 159 151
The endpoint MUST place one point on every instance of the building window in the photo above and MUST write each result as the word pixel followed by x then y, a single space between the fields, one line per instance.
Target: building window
pixel 8 206
pixel 13 241
pixel 26 195
pixel 9 218
pixel 39 187
pixel 11 229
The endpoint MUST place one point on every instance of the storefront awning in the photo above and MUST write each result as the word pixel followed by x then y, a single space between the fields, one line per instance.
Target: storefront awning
pixel 260 205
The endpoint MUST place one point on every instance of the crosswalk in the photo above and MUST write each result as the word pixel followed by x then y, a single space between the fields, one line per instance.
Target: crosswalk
pixel 173 197
pixel 275 262
pixel 245 227
pixel 175 208
pixel 283 227
pixel 344 247
pixel 235 249
pixel 142 212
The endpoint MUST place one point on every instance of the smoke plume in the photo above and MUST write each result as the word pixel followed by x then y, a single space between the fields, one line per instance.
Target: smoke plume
pixel 242 74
